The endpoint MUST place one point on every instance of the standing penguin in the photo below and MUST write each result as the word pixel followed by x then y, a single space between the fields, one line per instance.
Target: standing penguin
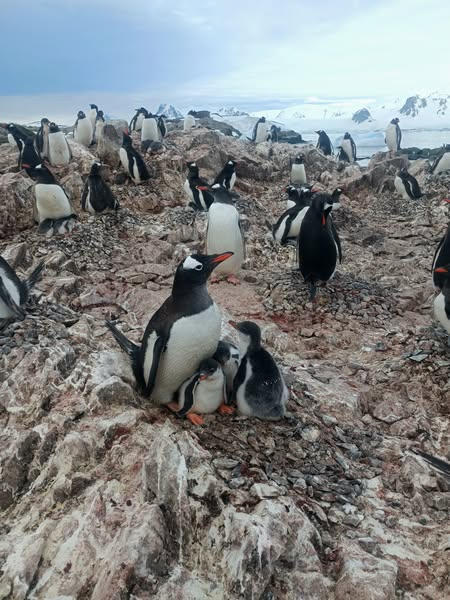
pixel 407 186
pixel 136 121
pixel 14 293
pixel 41 140
pixel 300 196
pixel 83 131
pixel 97 195
pixel 287 228
pixel 150 131
pixel 442 301
pixel 227 355
pixel 93 115
pixel 324 143
pixel 132 161
pixel 189 122
pixel 16 133
pixel 227 176
pixel 162 129
pixel 52 203
pixel 224 232
pixel 182 333
pixel 318 244
pixel 298 173
pixel 28 157
pixel 259 387
pixel 274 134
pixel 59 152
pixel 348 149
pixel 197 189
pixel 440 259
pixel 442 162
pixel 260 131
pixel 393 135
pixel 99 126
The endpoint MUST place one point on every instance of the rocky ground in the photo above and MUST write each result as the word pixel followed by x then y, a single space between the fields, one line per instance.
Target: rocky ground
pixel 103 496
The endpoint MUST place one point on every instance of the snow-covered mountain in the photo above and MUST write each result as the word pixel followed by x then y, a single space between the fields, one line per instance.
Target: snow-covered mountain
pixel 231 112
pixel 169 111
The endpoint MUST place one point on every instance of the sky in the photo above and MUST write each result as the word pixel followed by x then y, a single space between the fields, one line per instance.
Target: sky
pixel 244 52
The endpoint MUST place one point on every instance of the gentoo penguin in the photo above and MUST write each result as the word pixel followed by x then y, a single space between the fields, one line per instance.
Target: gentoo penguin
pixel 348 149
pixel 162 127
pixel 189 122
pixel 41 140
pixel 227 176
pixel 260 131
pixel 298 173
pixel 59 152
pixel 227 355
pixel 203 393
pixel 83 131
pixel 132 161
pixel 324 143
pixel 197 189
pixel 150 131
pixel 393 135
pixel 298 196
pixel 16 133
pixel 287 228
pixel 52 202
pixel 92 116
pixel 407 186
pixel 440 259
pixel 97 195
pixel 182 333
pixel 318 243
pixel 224 232
pixel 442 300
pixel 99 126
pixel 442 162
pixel 13 292
pixel 259 387
pixel 136 121
pixel 28 157
pixel 274 134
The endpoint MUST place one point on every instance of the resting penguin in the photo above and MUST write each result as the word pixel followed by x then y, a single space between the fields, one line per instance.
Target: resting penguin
pixel 393 135
pixel 227 176
pixel 189 122
pixel 260 131
pixel 203 393
pixel 259 387
pixel 440 259
pixel 99 126
pixel 41 140
pixel 14 293
pixel 93 115
pixel 59 152
pixel 228 356
pixel 197 189
pixel 132 161
pixel 28 157
pixel 97 195
pixel 150 131
pixel 442 162
pixel 224 232
pixel 442 301
pixel 83 130
pixel 298 173
pixel 318 243
pixel 324 143
pixel 182 333
pixel 407 186
pixel 136 121
pixel 52 202
pixel 348 149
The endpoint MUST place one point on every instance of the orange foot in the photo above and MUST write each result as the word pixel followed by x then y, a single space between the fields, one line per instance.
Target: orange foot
pixel 234 280
pixel 173 406
pixel 214 279
pixel 224 409
pixel 195 419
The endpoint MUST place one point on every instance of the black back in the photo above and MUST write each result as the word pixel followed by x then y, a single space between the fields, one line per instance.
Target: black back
pixel 324 143
pixel 224 177
pixel 411 184
pixel 100 194
pixel 441 259
pixel 134 157
pixel 29 158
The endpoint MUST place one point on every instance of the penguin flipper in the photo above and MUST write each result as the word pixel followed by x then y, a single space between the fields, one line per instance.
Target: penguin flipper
pixel 188 397
pixel 34 277
pixel 158 348
pixel 336 239
pixel 127 345
pixel 17 310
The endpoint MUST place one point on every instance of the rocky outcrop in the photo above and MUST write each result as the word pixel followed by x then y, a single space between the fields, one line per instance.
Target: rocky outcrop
pixel 362 115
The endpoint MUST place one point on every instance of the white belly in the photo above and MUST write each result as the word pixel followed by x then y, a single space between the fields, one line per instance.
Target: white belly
pixel 139 121
pixel 192 339
pixel 189 122
pixel 439 312
pixel 89 206
pixel 295 225
pixel 92 117
pixel 298 175
pixel 124 159
pixel 99 127
pixel 224 235
pixel 391 138
pixel 208 395
pixel 51 202
pixel 400 187
pixel 83 132
pixel 347 148
pixel 58 149
pixel 289 204
pixel 188 191
pixel 149 130
pixel 232 181
pixel 261 133
pixel 444 164
pixel 5 311
pixel 12 141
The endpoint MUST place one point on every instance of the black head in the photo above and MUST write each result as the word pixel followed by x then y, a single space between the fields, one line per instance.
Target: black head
pixel 347 136
pixel 193 169
pixel 207 368
pixel 249 333
pixel 299 160
pixel 45 121
pixel 100 115
pixel 195 269
pixel 395 121
pixel 192 113
pixel 11 128
pixel 53 128
pixel 320 132
pixel 81 114
pixel 43 174
pixel 262 120
pixel 222 353
pixel 221 194
pixel 93 106
pixel 96 168
pixel 142 111
pixel 402 173
pixel 321 205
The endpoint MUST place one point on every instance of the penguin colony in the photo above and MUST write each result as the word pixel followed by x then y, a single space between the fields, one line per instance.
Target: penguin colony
pixel 182 362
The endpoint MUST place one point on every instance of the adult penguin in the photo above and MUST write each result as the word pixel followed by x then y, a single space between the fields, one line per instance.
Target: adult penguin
pixel 150 131
pixel 347 149
pixel 298 173
pixel 132 161
pixel 224 233
pixel 393 135
pixel 318 246
pixel 83 130
pixel 99 126
pixel 407 185
pixel 16 133
pixel 93 115
pixel 162 129
pixel 59 152
pixel 260 131
pixel 14 293
pixel 441 258
pixel 227 176
pixel 441 305
pixel 300 196
pixel 274 134
pixel 182 333
pixel 287 228
pixel 189 122
pixel 97 195
pixel 136 121
pixel 41 140
pixel 442 162
pixel 197 189
pixel 52 202
pixel 28 157
pixel 324 143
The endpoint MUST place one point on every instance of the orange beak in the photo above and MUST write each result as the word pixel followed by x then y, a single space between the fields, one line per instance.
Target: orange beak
pixel 447 200
pixel 441 270
pixel 202 188
pixel 203 377
pixel 324 219
pixel 221 257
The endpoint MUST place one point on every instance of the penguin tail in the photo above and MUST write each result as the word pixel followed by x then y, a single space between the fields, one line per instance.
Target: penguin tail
pixel 437 463
pixel 127 345
pixel 35 276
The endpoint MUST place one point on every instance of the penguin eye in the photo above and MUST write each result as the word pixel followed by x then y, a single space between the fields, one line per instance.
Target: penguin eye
pixel 199 267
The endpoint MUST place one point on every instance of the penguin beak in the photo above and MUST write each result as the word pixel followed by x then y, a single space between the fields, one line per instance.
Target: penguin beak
pixel 202 188
pixel 447 200
pixel 324 219
pixel 441 270
pixel 221 257
pixel 203 377
pixel 233 324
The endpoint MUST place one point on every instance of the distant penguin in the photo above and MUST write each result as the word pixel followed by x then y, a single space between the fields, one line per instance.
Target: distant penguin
pixel 441 259
pixel 442 162
pixel 393 135
pixel 59 152
pixel 197 189
pixel 274 134
pixel 227 176
pixel 224 232
pixel 52 202
pixel 227 355
pixel 99 127
pixel 92 116
pixel 318 246
pixel 260 131
pixel 83 130
pixel 136 121
pixel 41 140
pixel 298 173
pixel 28 157
pixel 324 143
pixel 182 333
pixel 189 122
pixel 442 301
pixel 150 130
pixel 259 387
pixel 14 293
pixel 97 195
pixel 348 149
pixel 407 186
pixel 132 161
pixel 162 129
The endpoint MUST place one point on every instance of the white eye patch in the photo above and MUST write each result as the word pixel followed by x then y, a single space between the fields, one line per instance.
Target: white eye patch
pixel 190 263
pixel 326 205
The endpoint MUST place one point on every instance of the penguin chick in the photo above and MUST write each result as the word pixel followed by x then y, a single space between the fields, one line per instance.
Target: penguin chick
pixel 197 189
pixel 228 356
pixel 132 161
pixel 298 173
pixel 189 122
pixel 41 140
pixel 83 130
pixel 14 293
pixel 259 387
pixel 59 152
pixel 347 151
pixel 227 176
pixel 407 186
pixel 442 301
pixel 52 202
pixel 97 195
pixel 260 131
pixel 324 143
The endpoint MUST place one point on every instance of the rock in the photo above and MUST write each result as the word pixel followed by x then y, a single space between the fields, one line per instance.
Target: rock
pixel 16 205
pixel 109 144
